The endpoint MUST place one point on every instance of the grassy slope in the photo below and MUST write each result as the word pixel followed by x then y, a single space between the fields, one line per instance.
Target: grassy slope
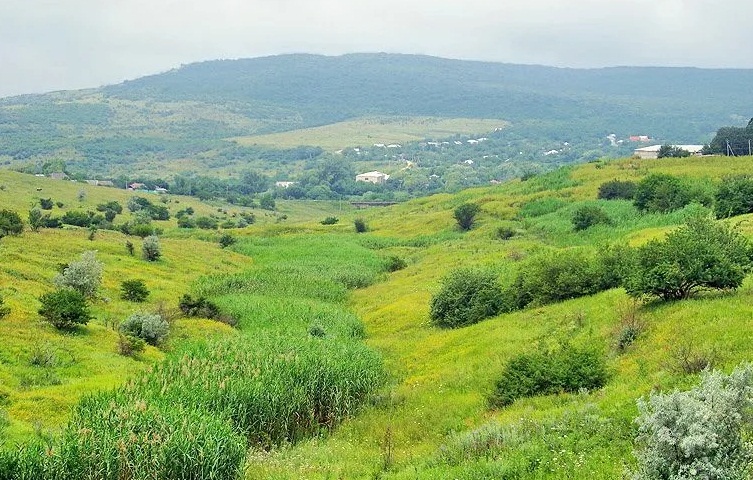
pixel 370 130
pixel 87 360
pixel 441 378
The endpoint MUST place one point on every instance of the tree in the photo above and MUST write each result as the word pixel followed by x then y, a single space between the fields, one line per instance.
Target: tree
pixel 36 219
pixel 10 223
pixel 45 203
pixel 64 308
pixel 226 240
pixel 699 255
pixel 267 202
pixel 671 151
pixel 150 327
pixel 150 249
pixel 467 296
pixel 360 225
pixel 734 197
pixel 661 193
pixel 465 215
pixel 84 275
pixel 616 189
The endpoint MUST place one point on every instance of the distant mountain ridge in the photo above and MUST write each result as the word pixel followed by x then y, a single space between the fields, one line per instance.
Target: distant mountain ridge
pixel 191 111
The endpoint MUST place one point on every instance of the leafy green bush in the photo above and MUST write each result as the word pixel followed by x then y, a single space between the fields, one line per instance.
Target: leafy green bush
pixel 699 255
pixel 557 276
pixel 151 328
pixel 672 151
pixel 589 215
pixel 83 275
pixel 394 263
pixel 734 197
pixel 505 233
pixel 467 296
pixel 360 225
pixel 465 215
pixel 568 369
pixel 128 345
pixel 206 223
pixel 45 203
pixel 133 290
pixel 617 190
pixel 226 240
pixel 10 223
pixel 661 193
pixel 198 307
pixel 267 202
pixel 150 249
pixel 330 221
pixel 64 308
pixel 700 433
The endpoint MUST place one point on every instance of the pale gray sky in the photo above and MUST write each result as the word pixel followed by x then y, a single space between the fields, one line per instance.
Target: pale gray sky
pixel 65 44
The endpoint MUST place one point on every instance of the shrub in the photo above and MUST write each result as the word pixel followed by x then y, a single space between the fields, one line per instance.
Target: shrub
pixel 699 255
pixel 568 369
pixel 630 326
pixel 83 275
pixel 700 433
pixel 136 203
pixel 505 233
pixel 734 197
pixel 36 219
pixel 617 190
pixel 206 223
pixel 198 307
pixel 64 308
pixel 672 151
pixel 360 225
pixel 77 218
pixel 467 296
pixel 113 206
pixel 226 240
pixel 4 309
pixel 10 223
pixel 661 193
pixel 150 249
pixel 129 247
pixel 186 222
pixel 394 263
pixel 330 221
pixel 267 202
pixel 465 215
pixel 133 290
pixel 151 328
pixel 589 215
pixel 128 345
pixel 45 203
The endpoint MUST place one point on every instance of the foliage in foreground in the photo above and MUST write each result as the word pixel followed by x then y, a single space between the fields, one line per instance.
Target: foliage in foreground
pixel 699 255
pixel 700 433
pixel 467 296
pixel 568 369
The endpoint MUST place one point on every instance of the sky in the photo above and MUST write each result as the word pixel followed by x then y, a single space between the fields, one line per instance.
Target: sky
pixel 48 45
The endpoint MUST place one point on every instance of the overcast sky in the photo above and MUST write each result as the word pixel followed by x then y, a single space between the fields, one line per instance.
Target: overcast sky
pixel 65 44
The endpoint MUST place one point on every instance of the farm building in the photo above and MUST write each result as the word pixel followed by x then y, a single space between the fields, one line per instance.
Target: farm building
pixel 372 177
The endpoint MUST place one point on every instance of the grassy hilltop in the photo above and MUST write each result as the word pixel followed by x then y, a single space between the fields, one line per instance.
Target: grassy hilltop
pixel 361 384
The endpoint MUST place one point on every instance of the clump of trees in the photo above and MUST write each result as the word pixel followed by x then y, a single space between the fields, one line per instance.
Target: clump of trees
pixel 699 255
pixel 661 193
pixel 617 190
pixel 739 140
pixel 466 296
pixel 567 369
pixel 672 151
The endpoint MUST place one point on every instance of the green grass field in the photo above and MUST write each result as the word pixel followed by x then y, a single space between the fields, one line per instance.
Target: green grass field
pixel 367 131
pixel 286 279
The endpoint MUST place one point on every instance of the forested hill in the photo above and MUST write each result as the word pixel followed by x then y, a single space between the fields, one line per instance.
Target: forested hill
pixel 322 89
pixel 184 119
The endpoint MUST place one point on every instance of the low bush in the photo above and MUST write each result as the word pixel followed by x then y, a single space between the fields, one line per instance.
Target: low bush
pixel 700 433
pixel 617 190
pixel 661 193
pixel 568 369
pixel 394 263
pixel 134 290
pixel 505 233
pixel 589 215
pixel 46 203
pixel 360 225
pixel 64 308
pixel 330 221
pixel 10 223
pixel 734 197
pixel 151 328
pixel 128 345
pixel 206 223
pixel 465 215
pixel 151 250
pixel 466 296
pixel 198 307
pixel 226 240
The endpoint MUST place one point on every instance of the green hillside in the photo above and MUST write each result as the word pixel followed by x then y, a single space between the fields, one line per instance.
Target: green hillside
pixel 361 383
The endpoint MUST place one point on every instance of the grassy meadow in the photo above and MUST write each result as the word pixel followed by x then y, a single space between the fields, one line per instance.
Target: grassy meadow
pixel 334 369
pixel 370 130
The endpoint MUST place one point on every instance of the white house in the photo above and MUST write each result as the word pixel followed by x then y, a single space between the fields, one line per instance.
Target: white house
pixel 284 184
pixel 372 177
pixel 653 150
